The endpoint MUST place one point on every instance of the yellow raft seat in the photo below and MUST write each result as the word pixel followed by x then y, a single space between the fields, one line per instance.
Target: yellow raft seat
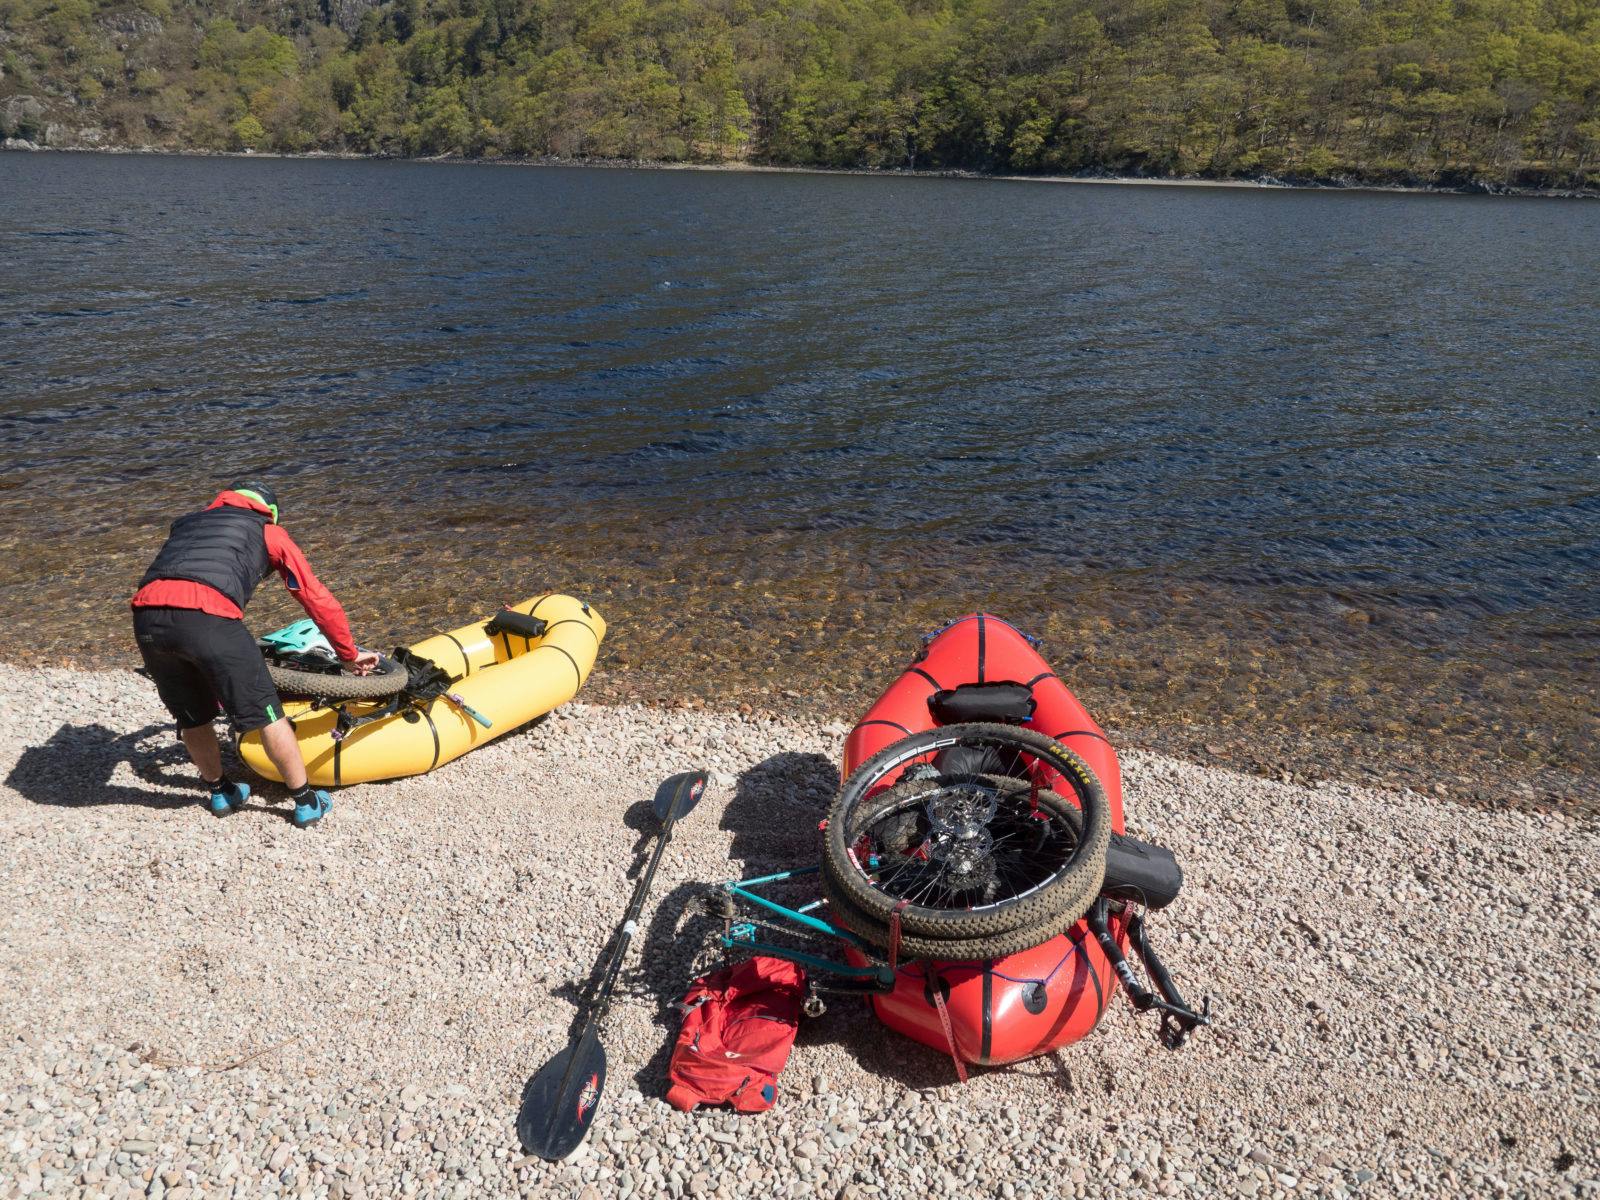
pixel 509 678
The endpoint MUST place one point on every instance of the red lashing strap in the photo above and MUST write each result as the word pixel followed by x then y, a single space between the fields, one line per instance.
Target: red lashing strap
pixel 949 1033
pixel 894 933
pixel 938 992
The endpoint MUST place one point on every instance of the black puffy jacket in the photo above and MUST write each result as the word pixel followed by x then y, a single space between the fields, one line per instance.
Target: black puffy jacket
pixel 223 547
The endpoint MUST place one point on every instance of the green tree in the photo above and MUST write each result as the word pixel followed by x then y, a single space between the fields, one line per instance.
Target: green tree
pixel 248 132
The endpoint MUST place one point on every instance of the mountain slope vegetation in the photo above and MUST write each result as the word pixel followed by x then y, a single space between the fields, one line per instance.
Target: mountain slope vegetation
pixel 1442 91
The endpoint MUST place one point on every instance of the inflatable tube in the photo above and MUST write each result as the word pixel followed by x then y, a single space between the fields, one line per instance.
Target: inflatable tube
pixel 510 677
pixel 1038 1000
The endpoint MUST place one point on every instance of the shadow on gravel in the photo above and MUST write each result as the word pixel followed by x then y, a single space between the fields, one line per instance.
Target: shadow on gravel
pixel 773 817
pixel 678 946
pixel 641 819
pixel 74 768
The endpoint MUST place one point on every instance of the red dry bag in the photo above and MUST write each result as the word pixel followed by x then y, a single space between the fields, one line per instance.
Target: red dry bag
pixel 738 1027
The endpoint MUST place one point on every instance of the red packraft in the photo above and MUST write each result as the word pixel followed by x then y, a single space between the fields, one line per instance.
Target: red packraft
pixel 738 1027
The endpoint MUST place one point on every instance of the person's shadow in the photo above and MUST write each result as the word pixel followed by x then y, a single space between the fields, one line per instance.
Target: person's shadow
pixel 74 769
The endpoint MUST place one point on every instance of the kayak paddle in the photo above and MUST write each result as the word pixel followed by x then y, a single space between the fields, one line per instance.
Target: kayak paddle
pixel 558 1103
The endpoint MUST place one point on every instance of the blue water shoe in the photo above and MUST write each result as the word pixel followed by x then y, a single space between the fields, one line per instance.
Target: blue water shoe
pixel 227 797
pixel 312 807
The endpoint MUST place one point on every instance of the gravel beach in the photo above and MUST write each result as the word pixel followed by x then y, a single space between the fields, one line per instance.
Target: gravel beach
pixel 1405 989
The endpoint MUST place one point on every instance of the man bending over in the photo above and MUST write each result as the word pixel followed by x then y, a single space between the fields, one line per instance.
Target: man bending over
pixel 188 617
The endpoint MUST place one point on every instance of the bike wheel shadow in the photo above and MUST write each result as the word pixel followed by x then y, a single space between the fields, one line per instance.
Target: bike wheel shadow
pixel 76 767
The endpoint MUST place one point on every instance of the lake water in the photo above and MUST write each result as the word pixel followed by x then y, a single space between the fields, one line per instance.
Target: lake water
pixel 1299 480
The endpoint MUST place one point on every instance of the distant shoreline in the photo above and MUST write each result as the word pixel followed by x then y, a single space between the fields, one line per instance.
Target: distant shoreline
pixel 1264 183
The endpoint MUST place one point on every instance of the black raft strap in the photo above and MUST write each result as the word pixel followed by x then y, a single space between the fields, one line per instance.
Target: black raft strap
pixel 426 681
pixel 344 724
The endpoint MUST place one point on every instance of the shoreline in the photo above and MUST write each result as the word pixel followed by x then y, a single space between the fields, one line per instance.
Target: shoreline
pixel 1273 759
pixel 203 1005
pixel 1264 183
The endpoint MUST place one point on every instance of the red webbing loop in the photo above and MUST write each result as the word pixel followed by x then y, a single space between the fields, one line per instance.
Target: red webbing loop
pixel 949 1033
pixel 894 934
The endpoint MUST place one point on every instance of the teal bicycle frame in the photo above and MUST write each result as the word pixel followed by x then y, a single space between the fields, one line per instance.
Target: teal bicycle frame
pixel 742 935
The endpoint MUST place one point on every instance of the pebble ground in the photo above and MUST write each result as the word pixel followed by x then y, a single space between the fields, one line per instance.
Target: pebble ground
pixel 190 1007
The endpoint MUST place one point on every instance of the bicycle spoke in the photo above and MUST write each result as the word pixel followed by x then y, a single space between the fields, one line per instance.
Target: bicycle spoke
pixel 966 841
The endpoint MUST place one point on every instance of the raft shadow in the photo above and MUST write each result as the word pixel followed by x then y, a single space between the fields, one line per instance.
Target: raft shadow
pixel 776 808
pixel 75 767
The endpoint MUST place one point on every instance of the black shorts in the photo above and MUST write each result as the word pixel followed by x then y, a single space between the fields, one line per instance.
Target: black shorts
pixel 203 665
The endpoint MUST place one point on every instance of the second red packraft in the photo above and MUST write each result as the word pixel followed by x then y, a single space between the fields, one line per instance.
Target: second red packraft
pixel 738 1028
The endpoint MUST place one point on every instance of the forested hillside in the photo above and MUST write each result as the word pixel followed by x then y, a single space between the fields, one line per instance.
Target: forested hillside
pixel 1447 91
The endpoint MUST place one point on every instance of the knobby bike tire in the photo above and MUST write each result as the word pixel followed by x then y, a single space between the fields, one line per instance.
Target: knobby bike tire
pixel 386 679
pixel 1072 892
pixel 1065 898
pixel 873 930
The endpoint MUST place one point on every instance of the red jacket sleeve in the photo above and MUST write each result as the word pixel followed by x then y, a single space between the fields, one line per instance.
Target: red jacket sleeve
pixel 317 600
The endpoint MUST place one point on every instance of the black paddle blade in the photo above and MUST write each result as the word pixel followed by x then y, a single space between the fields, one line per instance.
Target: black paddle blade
pixel 559 1102
pixel 678 795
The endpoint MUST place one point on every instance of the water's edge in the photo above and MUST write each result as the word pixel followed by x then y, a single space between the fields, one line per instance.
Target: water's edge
pixel 1264 183
pixel 1485 783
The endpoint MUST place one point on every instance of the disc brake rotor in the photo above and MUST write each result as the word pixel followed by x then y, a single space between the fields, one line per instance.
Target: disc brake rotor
pixel 959 837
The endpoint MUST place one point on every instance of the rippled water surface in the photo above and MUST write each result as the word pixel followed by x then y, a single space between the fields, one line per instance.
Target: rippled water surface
pixel 1301 480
